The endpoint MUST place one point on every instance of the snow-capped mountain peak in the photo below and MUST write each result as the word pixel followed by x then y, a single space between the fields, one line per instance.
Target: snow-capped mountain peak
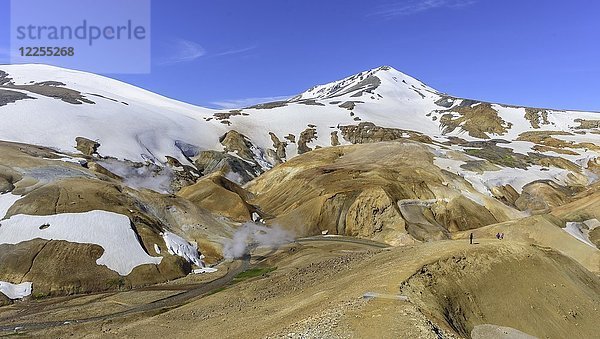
pixel 53 107
pixel 384 79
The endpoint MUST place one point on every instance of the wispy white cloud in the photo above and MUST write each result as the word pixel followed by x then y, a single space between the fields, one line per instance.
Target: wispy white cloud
pixel 186 51
pixel 183 51
pixel 408 7
pixel 246 102
pixel 234 51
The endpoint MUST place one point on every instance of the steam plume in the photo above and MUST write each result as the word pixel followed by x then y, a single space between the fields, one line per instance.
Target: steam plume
pixel 251 236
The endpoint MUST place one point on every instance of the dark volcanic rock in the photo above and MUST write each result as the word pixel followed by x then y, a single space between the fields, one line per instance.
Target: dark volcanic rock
pixel 52 90
pixel 9 97
pixel 4 78
pixel 349 105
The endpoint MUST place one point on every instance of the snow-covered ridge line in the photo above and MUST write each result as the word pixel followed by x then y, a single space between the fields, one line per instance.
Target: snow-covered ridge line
pixel 129 122
pixel 149 127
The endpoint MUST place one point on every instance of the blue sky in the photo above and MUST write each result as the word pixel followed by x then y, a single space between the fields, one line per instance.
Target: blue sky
pixel 227 52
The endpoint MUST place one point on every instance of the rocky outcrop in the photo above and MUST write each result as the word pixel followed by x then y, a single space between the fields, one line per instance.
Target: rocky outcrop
pixel 270 105
pixel 537 117
pixel 334 139
pixel 588 124
pixel 240 159
pixel 9 97
pixel 506 157
pixel 279 147
pixel 221 196
pixel 374 215
pixel 48 88
pixel 86 146
pixel 368 132
pixel 548 139
pixel 505 193
pixel 542 196
pixel 228 115
pixel 476 118
pixel 307 136
pixel 52 89
pixel 237 143
pixel 5 185
pixel 96 167
pixel 238 170
pixel 349 105
pixel 291 138
pixel 183 175
pixel 446 101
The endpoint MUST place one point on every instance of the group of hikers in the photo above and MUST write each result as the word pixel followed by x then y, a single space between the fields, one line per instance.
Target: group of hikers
pixel 499 236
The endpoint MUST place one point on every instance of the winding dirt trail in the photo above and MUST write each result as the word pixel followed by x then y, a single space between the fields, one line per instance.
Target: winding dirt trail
pixel 167 303
pixel 189 293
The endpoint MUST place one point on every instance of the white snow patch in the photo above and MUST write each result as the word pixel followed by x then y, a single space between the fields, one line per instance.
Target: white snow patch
pixel 585 161
pixel 156 249
pixel 515 177
pixel 204 270
pixel 122 249
pixel 69 159
pixel 576 230
pixel 176 245
pixel 474 198
pixel 6 202
pixel 260 158
pixel 15 291
pixel 234 177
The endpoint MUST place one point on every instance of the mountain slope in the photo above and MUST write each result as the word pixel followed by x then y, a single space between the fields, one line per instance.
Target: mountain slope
pixel 130 123
pixel 410 164
pixel 50 106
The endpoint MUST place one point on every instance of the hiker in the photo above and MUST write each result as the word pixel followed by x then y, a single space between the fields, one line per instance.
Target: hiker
pixel 501 236
pixel 498 235
pixel 471 239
